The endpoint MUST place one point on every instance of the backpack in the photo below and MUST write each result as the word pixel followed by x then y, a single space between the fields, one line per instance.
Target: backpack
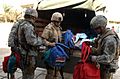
pixel 56 56
pixel 67 37
pixel 86 70
pixel 11 63
pixel 13 36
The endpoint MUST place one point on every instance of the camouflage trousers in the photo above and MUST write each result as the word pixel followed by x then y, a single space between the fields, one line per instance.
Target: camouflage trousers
pixel 106 74
pixel 29 69
pixel 51 74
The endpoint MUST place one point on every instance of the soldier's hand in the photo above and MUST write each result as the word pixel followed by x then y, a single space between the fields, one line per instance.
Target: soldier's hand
pixel 88 42
pixel 42 48
pixel 52 44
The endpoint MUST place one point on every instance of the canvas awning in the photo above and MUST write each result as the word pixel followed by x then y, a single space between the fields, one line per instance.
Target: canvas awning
pixel 73 4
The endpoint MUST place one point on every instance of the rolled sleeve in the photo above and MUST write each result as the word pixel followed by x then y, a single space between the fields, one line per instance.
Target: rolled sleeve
pixel 46 33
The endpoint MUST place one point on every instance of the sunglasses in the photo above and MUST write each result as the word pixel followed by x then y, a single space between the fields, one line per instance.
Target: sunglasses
pixel 97 28
pixel 57 21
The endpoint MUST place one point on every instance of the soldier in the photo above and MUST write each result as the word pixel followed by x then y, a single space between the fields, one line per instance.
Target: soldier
pixel 52 35
pixel 13 41
pixel 105 53
pixel 27 41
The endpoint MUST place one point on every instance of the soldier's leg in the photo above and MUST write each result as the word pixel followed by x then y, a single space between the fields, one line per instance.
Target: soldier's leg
pixel 50 74
pixel 28 72
pixel 12 76
pixel 106 75
pixel 109 75
pixel 56 74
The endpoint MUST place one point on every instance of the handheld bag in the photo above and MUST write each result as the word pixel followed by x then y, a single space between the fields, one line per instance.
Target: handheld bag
pixel 56 56
pixel 11 63
pixel 5 63
pixel 86 70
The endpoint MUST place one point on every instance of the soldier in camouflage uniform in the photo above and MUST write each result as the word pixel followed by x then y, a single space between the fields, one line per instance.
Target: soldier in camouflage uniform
pixel 106 51
pixel 28 42
pixel 52 35
pixel 13 40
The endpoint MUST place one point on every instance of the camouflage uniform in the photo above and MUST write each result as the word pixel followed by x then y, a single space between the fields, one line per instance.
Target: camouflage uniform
pixel 13 34
pixel 51 35
pixel 107 53
pixel 52 32
pixel 13 40
pixel 29 41
pixel 106 50
pixel 28 44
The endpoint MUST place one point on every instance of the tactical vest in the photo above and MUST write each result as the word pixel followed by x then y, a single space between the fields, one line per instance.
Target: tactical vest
pixel 21 37
pixel 100 43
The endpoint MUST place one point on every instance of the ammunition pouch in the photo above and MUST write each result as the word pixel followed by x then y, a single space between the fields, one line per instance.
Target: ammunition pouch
pixel 110 68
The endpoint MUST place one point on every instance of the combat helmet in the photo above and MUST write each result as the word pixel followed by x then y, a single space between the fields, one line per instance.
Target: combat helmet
pixel 57 17
pixel 32 12
pixel 98 21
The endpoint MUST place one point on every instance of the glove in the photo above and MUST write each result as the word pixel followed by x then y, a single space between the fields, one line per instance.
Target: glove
pixel 88 42
pixel 42 47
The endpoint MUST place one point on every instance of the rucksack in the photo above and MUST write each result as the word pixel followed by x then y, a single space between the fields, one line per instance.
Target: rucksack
pixel 13 36
pixel 11 63
pixel 67 37
pixel 56 56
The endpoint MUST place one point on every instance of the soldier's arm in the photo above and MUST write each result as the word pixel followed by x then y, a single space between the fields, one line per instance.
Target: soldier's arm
pixel 109 51
pixel 31 36
pixel 46 35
